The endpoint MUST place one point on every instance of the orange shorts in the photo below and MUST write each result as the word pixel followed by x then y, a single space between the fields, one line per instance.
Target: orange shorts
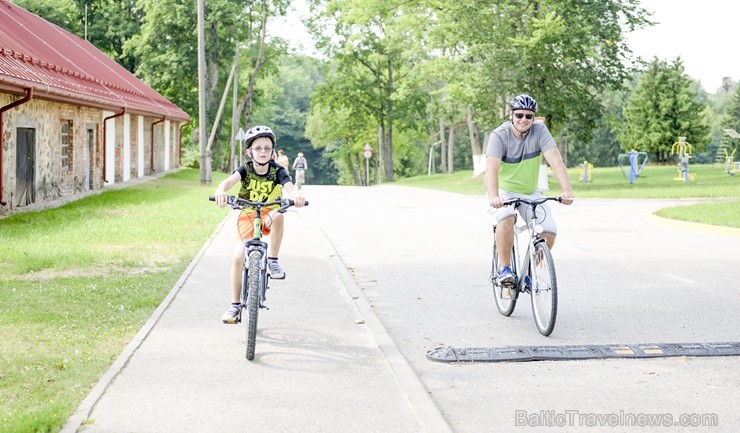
pixel 245 224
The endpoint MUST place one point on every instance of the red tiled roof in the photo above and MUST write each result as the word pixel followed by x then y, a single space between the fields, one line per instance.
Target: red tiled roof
pixel 63 67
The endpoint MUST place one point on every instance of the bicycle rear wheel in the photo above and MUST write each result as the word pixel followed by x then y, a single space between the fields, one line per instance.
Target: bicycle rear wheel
pixel 300 177
pixel 253 301
pixel 504 304
pixel 544 289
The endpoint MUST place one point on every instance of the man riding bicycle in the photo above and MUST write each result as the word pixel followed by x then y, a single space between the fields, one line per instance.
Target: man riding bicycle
pixel 513 158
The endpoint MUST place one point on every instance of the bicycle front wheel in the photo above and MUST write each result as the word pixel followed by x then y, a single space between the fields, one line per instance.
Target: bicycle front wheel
pixel 544 289
pixel 505 296
pixel 253 300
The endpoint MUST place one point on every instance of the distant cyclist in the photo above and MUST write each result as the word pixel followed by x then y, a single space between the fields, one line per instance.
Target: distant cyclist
pixel 300 165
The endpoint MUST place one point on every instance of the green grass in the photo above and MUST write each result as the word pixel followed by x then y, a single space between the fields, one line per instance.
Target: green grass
pixel 712 183
pixel 77 282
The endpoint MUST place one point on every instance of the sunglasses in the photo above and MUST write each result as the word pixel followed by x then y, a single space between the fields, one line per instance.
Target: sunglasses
pixel 520 115
pixel 262 149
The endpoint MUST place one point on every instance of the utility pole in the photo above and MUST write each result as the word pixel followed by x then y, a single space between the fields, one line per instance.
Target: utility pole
pixel 205 157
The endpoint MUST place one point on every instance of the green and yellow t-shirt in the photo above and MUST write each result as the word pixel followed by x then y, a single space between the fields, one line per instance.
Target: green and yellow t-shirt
pixel 262 187
pixel 520 157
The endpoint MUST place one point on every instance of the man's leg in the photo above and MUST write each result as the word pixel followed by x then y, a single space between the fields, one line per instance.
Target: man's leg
pixel 505 240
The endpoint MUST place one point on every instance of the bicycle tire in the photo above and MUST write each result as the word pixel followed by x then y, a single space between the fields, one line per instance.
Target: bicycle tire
pixel 253 301
pixel 505 306
pixel 544 290
pixel 300 175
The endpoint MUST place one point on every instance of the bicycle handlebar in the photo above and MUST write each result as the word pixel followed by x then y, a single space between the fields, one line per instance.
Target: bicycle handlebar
pixel 240 203
pixel 538 201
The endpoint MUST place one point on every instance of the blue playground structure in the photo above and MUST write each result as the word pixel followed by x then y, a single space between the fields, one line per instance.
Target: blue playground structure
pixel 637 162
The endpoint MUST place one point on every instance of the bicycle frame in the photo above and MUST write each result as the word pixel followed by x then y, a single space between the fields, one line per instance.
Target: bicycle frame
pixel 534 270
pixel 533 230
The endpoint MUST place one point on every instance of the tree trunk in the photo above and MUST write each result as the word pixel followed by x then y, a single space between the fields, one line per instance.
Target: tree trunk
pixel 475 146
pixel 442 146
pixel 451 149
pixel 389 131
pixel 248 99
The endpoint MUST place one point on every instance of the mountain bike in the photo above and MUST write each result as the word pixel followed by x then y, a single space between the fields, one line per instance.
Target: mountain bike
pixel 255 278
pixel 534 269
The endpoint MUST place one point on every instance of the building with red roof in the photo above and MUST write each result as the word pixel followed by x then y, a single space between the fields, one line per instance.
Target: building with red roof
pixel 71 119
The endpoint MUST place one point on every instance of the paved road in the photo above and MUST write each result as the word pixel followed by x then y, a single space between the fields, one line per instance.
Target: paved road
pixel 379 276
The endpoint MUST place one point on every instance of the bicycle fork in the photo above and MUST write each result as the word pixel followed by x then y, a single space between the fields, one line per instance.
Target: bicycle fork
pixel 260 247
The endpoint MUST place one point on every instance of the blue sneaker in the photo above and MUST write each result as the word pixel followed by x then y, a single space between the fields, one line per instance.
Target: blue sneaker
pixel 527 283
pixel 505 276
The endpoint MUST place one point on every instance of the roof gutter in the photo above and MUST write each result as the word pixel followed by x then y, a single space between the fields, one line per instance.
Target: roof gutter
pixel 151 153
pixel 28 97
pixel 105 142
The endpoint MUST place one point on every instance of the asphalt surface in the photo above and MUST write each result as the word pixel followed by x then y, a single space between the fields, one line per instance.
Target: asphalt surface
pixel 377 277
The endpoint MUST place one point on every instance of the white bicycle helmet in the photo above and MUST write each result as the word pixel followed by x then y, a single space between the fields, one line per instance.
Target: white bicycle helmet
pixel 259 131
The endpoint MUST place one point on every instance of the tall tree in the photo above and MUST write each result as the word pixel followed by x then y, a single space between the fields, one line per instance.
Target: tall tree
pixel 663 107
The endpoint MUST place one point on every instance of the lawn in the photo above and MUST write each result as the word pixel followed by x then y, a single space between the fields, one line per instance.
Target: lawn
pixel 720 191
pixel 78 281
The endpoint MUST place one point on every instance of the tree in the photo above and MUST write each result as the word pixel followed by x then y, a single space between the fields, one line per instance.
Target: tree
pixel 63 13
pixel 662 108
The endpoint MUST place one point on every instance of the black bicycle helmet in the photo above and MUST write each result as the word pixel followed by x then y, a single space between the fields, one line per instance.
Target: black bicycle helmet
pixel 259 131
pixel 523 102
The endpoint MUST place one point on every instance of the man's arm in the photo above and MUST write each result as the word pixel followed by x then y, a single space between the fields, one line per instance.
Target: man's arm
pixel 552 156
pixel 493 166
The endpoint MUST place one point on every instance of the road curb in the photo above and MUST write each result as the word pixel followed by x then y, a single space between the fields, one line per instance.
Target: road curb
pixel 652 218
pixel 427 411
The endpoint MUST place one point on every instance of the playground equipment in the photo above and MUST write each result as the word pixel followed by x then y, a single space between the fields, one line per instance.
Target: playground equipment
pixel 586 171
pixel 636 166
pixel 683 149
pixel 731 166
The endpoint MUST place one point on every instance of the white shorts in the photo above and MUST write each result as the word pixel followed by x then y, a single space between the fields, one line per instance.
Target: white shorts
pixel 544 216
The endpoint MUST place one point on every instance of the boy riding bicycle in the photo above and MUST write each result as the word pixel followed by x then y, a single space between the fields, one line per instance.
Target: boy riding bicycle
pixel 513 161
pixel 262 179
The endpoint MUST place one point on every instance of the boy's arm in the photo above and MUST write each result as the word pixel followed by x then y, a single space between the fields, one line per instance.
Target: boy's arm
pixel 225 186
pixel 294 193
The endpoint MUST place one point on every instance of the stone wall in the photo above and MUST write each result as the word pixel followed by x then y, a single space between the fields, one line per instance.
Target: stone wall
pixel 85 160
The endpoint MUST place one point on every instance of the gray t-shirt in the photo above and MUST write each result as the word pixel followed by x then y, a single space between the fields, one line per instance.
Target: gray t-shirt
pixel 520 157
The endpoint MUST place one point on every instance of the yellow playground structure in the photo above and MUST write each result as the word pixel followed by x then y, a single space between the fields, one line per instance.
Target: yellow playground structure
pixel 683 149
pixel 731 166
pixel 585 172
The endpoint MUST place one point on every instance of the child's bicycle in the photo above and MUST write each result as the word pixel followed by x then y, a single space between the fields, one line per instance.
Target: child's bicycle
pixel 534 271
pixel 255 278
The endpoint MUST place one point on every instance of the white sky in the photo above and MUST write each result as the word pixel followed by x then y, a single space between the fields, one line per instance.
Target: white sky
pixel 705 33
